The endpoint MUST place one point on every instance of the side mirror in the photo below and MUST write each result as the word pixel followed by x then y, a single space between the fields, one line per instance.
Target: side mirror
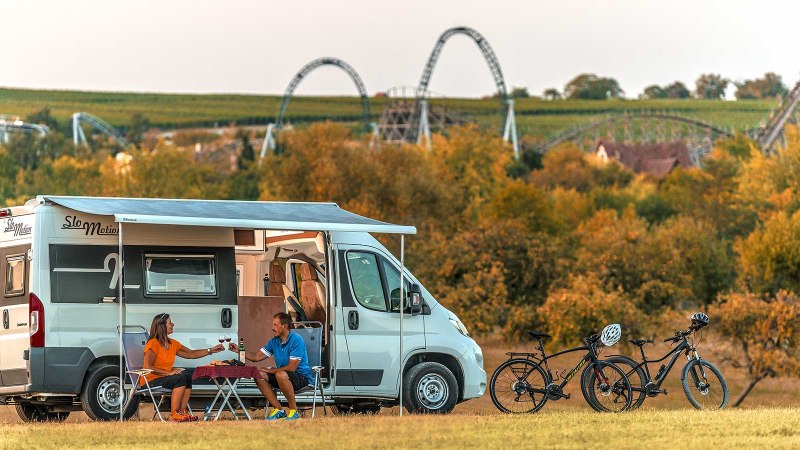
pixel 413 303
pixel 415 294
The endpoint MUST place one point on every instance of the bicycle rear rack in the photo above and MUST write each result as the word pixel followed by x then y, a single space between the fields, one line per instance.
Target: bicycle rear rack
pixel 526 355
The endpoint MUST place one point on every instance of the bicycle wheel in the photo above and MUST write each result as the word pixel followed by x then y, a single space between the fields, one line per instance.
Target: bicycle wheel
pixel 518 386
pixel 635 375
pixel 704 385
pixel 607 389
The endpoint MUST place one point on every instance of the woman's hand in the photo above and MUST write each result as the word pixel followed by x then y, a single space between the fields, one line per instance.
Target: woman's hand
pixel 217 348
pixel 175 371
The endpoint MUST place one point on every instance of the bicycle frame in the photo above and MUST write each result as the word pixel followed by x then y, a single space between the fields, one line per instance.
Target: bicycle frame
pixel 683 347
pixel 590 356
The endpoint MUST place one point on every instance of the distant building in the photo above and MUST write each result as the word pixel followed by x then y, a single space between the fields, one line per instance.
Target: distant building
pixel 654 159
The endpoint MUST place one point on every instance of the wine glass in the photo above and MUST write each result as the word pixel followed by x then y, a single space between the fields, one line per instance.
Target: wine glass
pixel 221 338
pixel 227 338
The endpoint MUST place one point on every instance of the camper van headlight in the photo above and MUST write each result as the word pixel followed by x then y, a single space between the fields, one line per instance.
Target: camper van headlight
pixel 459 326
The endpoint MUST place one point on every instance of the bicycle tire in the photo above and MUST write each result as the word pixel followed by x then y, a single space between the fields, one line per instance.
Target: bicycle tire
pixel 635 375
pixel 709 393
pixel 620 387
pixel 499 378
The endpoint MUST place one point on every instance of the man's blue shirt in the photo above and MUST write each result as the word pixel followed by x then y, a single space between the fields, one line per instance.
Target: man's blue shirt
pixel 293 348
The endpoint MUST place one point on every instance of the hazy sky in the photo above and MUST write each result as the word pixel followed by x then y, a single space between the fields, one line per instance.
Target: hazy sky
pixel 251 46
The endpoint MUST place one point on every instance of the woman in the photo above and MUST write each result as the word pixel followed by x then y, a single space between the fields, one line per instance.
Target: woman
pixel 159 357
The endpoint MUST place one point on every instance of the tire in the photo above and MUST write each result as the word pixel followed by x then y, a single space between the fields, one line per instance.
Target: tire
pixel 429 388
pixel 101 395
pixel 346 409
pixel 615 396
pixel 635 375
pixel 514 380
pixel 31 412
pixel 709 392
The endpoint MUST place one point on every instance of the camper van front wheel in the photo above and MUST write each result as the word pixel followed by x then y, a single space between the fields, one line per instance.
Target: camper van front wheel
pixel 430 388
pixel 102 396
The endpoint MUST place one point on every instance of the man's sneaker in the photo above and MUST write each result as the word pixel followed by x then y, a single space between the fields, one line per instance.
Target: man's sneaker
pixel 191 417
pixel 176 416
pixel 276 414
pixel 293 415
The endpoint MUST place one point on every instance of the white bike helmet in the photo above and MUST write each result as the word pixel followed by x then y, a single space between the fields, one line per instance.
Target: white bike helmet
pixel 611 334
pixel 699 319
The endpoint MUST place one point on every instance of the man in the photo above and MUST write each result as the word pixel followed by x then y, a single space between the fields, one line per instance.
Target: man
pixel 292 371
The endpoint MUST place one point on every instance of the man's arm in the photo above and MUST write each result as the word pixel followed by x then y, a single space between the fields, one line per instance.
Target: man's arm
pixel 254 356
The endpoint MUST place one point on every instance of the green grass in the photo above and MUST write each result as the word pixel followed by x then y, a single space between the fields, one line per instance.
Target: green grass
pixel 537 118
pixel 763 428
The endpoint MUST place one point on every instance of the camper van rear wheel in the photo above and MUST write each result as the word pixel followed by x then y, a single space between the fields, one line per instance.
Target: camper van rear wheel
pixel 430 388
pixel 30 412
pixel 102 396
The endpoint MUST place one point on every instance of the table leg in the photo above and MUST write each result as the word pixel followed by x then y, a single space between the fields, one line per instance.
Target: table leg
pixel 207 415
pixel 226 397
pixel 241 404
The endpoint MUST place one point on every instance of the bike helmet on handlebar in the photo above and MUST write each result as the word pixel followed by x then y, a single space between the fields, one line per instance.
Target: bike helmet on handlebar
pixel 611 334
pixel 699 319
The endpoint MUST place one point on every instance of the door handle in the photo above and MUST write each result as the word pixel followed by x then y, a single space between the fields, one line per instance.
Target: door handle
pixel 6 323
pixel 226 318
pixel 352 320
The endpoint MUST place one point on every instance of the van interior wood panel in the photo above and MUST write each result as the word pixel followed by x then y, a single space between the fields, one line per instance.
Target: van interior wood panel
pixel 255 323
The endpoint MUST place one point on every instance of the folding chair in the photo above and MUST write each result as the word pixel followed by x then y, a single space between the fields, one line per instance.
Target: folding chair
pixel 133 342
pixel 311 332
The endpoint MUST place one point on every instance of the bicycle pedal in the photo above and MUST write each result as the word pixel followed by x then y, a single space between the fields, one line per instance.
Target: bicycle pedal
pixel 664 391
pixel 566 396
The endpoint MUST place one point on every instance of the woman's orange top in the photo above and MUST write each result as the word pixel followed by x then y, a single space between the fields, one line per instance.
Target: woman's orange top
pixel 165 358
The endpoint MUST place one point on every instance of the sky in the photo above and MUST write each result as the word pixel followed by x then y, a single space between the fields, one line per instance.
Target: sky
pixel 256 47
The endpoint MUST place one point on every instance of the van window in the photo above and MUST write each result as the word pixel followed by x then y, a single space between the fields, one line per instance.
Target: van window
pixel 180 275
pixel 393 284
pixel 365 278
pixel 15 275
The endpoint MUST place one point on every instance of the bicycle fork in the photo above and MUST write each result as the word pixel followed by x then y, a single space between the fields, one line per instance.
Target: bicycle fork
pixel 700 385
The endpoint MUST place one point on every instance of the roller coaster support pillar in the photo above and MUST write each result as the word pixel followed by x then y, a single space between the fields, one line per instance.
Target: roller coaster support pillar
pixel 510 131
pixel 424 130
pixel 269 141
pixel 375 137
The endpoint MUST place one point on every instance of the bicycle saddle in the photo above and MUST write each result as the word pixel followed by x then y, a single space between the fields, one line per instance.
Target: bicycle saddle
pixel 538 335
pixel 640 342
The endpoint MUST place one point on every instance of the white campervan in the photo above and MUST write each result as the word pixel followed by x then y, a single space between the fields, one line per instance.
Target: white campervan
pixel 217 267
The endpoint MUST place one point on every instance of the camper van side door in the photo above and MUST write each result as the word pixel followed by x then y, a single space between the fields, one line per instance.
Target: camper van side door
pixel 372 331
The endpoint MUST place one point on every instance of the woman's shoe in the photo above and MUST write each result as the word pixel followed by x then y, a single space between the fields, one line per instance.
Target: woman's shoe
pixel 177 416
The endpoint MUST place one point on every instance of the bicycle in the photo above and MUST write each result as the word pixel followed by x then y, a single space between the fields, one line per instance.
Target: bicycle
pixel 524 382
pixel 703 390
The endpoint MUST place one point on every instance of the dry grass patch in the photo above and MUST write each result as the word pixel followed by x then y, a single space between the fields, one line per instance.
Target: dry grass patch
pixel 765 428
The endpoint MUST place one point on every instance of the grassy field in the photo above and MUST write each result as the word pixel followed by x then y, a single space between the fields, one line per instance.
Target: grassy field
pixel 537 118
pixel 761 428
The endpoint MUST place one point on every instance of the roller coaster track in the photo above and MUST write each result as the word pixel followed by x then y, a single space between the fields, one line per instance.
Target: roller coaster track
pixel 78 136
pixel 310 67
pixel 8 126
pixel 576 131
pixel 769 134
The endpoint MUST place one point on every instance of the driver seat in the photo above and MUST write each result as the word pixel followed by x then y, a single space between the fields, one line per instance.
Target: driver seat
pixel 312 294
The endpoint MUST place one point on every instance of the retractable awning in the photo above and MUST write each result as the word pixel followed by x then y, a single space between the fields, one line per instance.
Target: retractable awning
pixel 229 213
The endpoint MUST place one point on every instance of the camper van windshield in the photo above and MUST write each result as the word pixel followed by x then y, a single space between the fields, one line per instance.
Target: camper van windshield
pixel 180 274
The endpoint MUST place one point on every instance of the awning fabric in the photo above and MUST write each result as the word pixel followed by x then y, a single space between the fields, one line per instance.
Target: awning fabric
pixel 228 213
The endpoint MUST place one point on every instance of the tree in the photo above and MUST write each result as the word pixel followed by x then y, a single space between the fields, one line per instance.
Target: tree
pixel 769 259
pixel 653 91
pixel 769 86
pixel 248 154
pixel 139 124
pixel 766 332
pixel 710 85
pixel 519 92
pixel 551 94
pixel 677 90
pixel 45 117
pixel 590 86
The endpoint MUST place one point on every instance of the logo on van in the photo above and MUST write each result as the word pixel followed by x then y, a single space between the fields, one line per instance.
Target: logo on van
pixel 90 228
pixel 19 229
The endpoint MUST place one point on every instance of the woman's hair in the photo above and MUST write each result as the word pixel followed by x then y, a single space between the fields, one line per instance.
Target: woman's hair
pixel 158 329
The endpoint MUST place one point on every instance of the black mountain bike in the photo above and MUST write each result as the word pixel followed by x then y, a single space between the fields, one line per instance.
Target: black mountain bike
pixel 524 383
pixel 703 383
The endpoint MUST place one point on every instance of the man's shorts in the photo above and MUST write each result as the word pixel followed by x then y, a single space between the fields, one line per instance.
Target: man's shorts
pixel 298 381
